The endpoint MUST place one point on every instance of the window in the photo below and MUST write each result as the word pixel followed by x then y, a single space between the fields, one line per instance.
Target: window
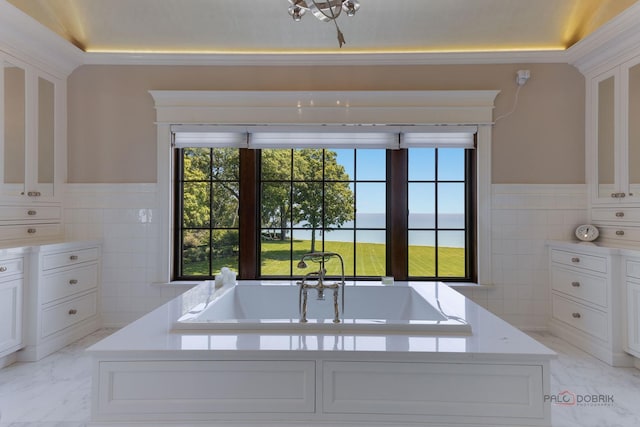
pixel 439 212
pixel 207 206
pixel 325 199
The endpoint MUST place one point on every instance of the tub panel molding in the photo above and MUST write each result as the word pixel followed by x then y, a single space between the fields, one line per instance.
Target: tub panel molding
pixel 165 389
pixel 434 389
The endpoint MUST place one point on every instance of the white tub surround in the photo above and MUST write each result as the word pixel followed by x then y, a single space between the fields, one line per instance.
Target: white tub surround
pixel 151 373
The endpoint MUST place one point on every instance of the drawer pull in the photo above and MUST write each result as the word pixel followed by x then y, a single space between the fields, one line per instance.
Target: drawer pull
pixel 3 269
pixel 619 233
pixel 73 282
pixel 576 315
pixel 34 194
pixel 31 231
pixel 575 284
pixel 575 259
pixel 620 214
pixel 73 257
pixel 74 311
pixel 32 212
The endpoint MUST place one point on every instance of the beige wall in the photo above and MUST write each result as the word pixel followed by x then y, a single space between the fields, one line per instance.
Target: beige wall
pixel 112 134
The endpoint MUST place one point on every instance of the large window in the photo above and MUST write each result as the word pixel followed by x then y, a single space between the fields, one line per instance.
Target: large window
pixel 290 201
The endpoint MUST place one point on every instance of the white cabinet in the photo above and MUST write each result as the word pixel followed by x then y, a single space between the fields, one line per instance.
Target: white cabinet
pixel 632 277
pixel 11 300
pixel 63 296
pixel 32 126
pixel 31 131
pixel 586 299
pixel 614 135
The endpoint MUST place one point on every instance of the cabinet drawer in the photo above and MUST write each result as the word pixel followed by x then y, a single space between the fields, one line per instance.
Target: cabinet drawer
pixel 63 259
pixel 11 267
pixel 588 320
pixel 633 269
pixel 69 282
pixel 32 231
pixel 574 259
pixel 579 285
pixel 609 215
pixel 31 213
pixel 621 233
pixel 66 314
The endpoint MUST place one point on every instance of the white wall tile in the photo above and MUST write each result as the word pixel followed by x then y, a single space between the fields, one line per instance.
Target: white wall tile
pixel 524 217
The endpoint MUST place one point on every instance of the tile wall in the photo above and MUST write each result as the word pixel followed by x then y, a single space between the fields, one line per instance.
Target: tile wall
pixel 125 217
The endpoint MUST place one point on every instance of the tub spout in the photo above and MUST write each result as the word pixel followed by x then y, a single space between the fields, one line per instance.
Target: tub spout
pixel 320 258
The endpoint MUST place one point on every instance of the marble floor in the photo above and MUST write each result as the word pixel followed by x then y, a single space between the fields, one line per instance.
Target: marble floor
pixel 55 392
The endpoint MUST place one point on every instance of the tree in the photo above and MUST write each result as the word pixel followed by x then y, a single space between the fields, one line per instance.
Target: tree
pixel 317 199
pixel 303 186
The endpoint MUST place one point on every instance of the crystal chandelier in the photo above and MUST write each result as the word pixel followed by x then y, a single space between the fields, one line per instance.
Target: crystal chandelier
pixel 324 10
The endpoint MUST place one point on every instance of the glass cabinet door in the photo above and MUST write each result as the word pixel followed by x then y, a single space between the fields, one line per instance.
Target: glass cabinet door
pixel 46 137
pixel 633 157
pixel 606 138
pixel 14 132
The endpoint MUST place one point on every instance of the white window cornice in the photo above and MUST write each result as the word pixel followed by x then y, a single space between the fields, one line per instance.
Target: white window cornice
pixel 325 107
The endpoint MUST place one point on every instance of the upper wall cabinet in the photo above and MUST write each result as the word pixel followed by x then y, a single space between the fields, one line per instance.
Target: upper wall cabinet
pixel 30 130
pixel 615 135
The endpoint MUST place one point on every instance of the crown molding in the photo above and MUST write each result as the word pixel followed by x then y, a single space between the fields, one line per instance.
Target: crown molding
pixel 333 59
pixel 615 39
pixel 26 39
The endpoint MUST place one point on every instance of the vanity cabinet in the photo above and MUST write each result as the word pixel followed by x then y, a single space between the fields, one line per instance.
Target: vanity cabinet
pixel 11 301
pixel 586 301
pixel 63 297
pixel 32 126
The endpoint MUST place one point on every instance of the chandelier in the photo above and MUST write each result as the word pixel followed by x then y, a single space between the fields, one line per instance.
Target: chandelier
pixel 324 10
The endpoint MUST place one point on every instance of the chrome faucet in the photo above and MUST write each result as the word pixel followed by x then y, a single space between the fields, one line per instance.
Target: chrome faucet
pixel 319 276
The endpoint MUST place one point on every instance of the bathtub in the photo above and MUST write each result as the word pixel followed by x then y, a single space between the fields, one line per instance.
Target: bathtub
pixel 368 308
pixel 412 354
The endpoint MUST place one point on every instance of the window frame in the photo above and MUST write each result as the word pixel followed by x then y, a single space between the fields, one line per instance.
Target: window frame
pixel 396 207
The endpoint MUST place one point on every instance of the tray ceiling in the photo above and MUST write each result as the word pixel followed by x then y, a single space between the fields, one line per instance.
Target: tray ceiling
pixel 264 26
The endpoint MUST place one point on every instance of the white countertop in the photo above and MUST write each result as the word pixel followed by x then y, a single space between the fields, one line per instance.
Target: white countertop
pixel 153 333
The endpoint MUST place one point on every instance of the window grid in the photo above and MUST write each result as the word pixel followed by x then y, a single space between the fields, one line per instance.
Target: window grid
pixel 219 246
pixel 352 267
pixel 437 229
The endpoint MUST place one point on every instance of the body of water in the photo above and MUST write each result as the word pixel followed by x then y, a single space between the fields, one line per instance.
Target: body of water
pixel 448 238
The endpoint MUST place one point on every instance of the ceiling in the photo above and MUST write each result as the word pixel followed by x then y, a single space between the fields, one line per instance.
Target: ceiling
pixel 264 26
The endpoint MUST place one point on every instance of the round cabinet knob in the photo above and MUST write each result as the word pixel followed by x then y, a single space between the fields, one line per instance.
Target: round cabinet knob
pixel 619 233
pixel 32 212
pixel 3 269
pixel 73 311
pixel 31 231
pixel 575 259
pixel 73 257
pixel 575 284
pixel 576 315
pixel 73 282
pixel 620 214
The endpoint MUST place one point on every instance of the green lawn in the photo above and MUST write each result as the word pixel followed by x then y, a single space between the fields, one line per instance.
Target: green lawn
pixel 370 260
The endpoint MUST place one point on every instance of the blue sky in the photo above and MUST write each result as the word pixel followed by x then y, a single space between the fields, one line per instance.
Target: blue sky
pixel 371 165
